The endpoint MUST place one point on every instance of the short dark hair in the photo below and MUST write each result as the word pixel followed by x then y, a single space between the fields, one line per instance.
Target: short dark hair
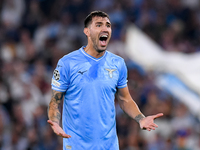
pixel 93 14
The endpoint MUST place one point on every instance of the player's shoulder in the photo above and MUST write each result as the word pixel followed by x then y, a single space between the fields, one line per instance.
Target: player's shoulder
pixel 70 55
pixel 114 56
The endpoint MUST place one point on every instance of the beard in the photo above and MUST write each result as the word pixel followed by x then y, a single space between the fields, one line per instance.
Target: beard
pixel 95 46
pixel 99 51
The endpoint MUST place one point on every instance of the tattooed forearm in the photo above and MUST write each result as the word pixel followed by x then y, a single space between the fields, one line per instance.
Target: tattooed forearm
pixel 54 106
pixel 139 117
pixel 57 96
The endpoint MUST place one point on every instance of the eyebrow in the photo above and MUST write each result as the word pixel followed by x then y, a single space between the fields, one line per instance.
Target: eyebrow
pixel 102 23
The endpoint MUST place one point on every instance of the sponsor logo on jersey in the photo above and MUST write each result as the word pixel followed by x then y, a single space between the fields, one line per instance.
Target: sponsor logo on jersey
pixel 56 83
pixel 110 72
pixel 81 72
pixel 59 66
pixel 68 147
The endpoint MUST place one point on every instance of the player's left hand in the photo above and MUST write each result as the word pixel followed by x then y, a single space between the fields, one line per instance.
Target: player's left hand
pixel 147 123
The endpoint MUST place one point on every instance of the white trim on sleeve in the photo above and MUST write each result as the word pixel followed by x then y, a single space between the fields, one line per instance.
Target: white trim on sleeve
pixel 122 86
pixel 57 89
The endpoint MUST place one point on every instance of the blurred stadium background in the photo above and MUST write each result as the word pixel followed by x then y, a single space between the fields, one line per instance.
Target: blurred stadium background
pixel 159 40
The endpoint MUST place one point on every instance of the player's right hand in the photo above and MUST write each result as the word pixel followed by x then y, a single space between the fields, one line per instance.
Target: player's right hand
pixel 58 130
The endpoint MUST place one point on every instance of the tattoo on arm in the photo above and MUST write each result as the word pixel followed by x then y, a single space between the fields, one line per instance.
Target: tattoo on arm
pixel 139 117
pixel 54 113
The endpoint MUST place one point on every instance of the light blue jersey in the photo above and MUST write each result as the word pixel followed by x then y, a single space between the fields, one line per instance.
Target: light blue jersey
pixel 90 85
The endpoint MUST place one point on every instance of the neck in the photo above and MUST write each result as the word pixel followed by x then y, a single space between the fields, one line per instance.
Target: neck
pixel 93 52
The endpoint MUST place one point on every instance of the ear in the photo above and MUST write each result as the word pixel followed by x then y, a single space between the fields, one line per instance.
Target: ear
pixel 86 31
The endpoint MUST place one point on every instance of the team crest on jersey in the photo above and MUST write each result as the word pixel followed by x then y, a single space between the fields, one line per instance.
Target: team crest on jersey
pixel 110 72
pixel 56 75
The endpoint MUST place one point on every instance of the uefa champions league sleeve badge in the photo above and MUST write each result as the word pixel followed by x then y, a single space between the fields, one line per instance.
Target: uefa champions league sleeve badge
pixel 56 75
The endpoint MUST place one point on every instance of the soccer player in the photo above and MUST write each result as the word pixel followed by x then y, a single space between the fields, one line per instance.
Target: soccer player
pixel 88 79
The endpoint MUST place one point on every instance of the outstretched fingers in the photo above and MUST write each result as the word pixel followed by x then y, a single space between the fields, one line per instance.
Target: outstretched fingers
pixel 150 127
pixel 157 115
pixel 58 130
pixel 64 135
pixel 153 126
pixel 50 122
pixel 148 122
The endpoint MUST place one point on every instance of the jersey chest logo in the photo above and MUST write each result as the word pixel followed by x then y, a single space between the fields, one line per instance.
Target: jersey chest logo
pixel 110 72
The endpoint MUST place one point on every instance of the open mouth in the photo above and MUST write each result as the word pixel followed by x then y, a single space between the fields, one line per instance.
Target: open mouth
pixel 103 40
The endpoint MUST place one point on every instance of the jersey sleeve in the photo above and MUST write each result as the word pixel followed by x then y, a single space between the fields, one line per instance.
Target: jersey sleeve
pixel 122 82
pixel 60 80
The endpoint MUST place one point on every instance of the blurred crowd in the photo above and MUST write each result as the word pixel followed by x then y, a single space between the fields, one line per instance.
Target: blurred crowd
pixel 34 34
